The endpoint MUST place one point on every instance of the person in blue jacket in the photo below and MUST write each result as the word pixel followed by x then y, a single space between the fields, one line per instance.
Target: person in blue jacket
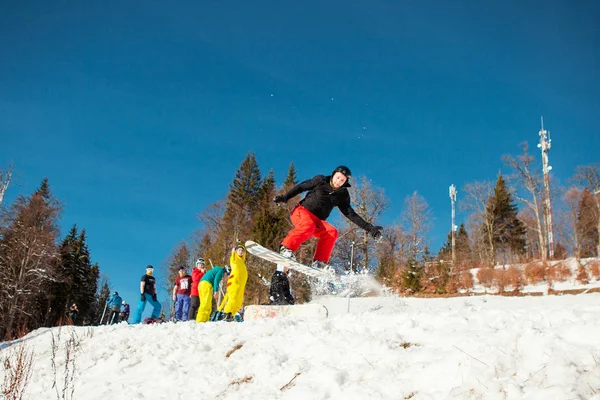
pixel 209 288
pixel 114 303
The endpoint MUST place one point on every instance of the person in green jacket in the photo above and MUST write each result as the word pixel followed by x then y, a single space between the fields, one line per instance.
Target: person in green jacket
pixel 208 288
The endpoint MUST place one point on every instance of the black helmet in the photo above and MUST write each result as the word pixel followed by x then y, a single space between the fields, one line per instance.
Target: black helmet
pixel 344 170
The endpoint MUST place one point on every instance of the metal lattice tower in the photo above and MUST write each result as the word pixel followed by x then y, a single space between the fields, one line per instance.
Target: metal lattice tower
pixel 545 144
pixel 453 200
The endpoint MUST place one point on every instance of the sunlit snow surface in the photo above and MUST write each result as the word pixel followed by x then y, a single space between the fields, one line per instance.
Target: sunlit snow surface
pixel 479 347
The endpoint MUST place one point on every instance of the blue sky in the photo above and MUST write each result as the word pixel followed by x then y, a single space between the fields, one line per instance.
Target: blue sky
pixel 139 112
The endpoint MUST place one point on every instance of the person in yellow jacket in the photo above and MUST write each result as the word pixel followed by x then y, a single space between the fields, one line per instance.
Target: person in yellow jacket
pixel 209 288
pixel 236 284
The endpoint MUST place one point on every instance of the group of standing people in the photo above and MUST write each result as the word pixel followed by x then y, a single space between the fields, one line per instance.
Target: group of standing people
pixel 193 295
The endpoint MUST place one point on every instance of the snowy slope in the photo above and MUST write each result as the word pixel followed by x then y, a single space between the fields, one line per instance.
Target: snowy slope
pixel 370 348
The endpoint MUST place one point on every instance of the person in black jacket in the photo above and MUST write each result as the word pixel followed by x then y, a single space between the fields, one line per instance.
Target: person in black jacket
pixel 279 292
pixel 324 193
pixel 147 294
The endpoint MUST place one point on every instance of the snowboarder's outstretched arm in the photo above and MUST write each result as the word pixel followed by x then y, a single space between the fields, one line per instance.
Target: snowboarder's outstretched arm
pixel 348 211
pixel 299 188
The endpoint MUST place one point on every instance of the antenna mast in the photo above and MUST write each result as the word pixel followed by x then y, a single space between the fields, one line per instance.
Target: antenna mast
pixel 545 144
pixel 453 200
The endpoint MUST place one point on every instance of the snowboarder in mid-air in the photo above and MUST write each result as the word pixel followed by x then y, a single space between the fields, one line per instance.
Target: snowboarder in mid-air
pixel 309 215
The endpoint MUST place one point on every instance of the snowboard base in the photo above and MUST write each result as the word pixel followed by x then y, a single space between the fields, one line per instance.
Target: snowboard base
pixel 274 257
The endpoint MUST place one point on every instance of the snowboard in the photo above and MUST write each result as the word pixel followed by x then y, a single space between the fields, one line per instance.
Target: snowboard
pixel 311 311
pixel 274 257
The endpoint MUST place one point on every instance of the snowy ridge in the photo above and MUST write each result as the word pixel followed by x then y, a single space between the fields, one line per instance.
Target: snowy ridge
pixel 376 348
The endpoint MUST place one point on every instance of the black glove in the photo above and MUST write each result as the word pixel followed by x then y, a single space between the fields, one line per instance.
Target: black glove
pixel 154 297
pixel 375 231
pixel 143 296
pixel 279 199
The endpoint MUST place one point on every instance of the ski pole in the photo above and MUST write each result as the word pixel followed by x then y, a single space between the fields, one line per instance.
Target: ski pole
pixel 103 312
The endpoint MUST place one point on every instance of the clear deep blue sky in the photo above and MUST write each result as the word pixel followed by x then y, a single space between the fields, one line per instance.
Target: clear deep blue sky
pixel 140 112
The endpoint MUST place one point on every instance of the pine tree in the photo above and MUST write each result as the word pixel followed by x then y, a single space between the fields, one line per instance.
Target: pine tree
pixel 589 177
pixel 267 190
pixel 412 275
pixel 242 202
pixel 93 313
pixel 427 257
pixel 102 301
pixel 86 280
pixel 60 291
pixel 291 179
pixel 77 279
pixel 203 247
pixel 245 190
pixel 270 222
pixel 462 247
pixel 269 228
pixel 505 230
pixel 586 225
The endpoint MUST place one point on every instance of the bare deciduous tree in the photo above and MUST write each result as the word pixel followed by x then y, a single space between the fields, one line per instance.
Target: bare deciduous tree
pixel 529 221
pixel 210 239
pixel 416 223
pixel 475 202
pixel 5 177
pixel 566 226
pixel 525 176
pixel 391 253
pixel 369 202
pixel 27 255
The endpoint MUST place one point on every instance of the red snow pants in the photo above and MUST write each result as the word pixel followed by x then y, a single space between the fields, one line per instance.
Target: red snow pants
pixel 307 225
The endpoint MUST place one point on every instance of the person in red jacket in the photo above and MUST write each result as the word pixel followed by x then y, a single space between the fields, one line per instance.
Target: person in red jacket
pixel 197 274
pixel 181 294
pixel 324 193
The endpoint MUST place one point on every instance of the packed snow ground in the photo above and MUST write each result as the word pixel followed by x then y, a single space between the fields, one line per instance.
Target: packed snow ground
pixel 480 347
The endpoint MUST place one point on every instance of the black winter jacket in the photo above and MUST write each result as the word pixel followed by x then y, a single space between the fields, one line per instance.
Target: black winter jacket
pixel 321 199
